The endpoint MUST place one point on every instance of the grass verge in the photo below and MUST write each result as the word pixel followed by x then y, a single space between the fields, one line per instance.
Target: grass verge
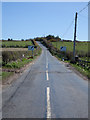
pixel 81 70
pixel 20 63
pixel 6 75
pixel 84 71
pixel 78 68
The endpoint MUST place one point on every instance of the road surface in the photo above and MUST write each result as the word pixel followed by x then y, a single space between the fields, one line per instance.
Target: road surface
pixel 46 90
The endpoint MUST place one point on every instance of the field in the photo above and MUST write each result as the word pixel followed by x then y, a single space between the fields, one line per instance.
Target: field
pixel 13 49
pixel 81 47
pixel 21 44
pixel 82 50
pixel 15 55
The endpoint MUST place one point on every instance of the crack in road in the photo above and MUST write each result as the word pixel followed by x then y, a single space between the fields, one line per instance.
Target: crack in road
pixel 53 72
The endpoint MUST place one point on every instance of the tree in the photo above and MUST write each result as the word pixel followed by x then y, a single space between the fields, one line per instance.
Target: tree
pixel 8 39
pixel 50 37
pixel 22 39
pixel 57 38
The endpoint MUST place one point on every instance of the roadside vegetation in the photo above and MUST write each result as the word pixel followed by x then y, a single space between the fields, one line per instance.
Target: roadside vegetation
pixel 82 59
pixel 15 58
pixel 15 54
pixel 81 48
pixel 6 75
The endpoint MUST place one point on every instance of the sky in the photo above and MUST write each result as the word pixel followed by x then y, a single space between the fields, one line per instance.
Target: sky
pixel 24 20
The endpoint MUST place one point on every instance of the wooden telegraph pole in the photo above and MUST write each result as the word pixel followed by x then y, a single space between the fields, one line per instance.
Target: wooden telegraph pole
pixel 75 36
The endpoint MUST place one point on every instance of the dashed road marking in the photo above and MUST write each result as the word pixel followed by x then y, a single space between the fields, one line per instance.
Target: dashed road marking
pixel 46 66
pixel 46 61
pixel 48 103
pixel 47 78
pixel 48 91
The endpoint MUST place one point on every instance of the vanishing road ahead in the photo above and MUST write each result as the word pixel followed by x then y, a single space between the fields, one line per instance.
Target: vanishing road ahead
pixel 47 89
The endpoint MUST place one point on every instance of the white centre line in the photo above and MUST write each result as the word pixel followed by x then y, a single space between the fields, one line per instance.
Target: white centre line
pixel 48 91
pixel 48 103
pixel 46 61
pixel 46 65
pixel 47 75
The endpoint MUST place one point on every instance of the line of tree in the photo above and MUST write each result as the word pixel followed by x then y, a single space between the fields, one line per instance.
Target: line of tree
pixel 51 38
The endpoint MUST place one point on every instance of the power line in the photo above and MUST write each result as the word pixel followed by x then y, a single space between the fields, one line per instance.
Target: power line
pixel 84 8
pixel 73 20
pixel 68 28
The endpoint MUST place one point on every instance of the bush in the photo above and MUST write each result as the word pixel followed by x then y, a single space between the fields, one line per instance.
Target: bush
pixel 9 65
pixel 34 42
pixel 8 56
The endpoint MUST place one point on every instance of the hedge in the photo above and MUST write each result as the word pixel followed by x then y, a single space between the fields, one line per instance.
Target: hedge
pixel 8 56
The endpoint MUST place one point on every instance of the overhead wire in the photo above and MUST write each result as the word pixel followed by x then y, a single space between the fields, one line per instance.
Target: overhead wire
pixel 68 28
pixel 84 8
pixel 73 19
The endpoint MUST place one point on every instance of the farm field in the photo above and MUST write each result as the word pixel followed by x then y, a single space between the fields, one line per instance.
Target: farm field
pixel 15 55
pixel 13 49
pixel 16 44
pixel 83 53
pixel 80 46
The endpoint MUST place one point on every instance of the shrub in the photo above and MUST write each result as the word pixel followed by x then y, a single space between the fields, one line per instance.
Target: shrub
pixel 9 65
pixel 8 56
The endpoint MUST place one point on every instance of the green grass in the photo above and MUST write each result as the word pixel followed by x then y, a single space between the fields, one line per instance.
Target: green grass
pixel 80 46
pixel 6 75
pixel 85 58
pixel 81 70
pixel 16 43
pixel 18 63
pixel 78 68
pixel 0 60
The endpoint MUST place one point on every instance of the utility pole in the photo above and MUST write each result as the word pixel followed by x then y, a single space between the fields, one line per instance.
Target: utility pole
pixel 75 36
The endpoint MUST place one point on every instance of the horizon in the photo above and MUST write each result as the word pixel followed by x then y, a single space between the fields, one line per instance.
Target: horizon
pixel 43 37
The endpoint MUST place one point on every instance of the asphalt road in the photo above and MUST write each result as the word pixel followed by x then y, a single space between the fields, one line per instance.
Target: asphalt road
pixel 46 90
